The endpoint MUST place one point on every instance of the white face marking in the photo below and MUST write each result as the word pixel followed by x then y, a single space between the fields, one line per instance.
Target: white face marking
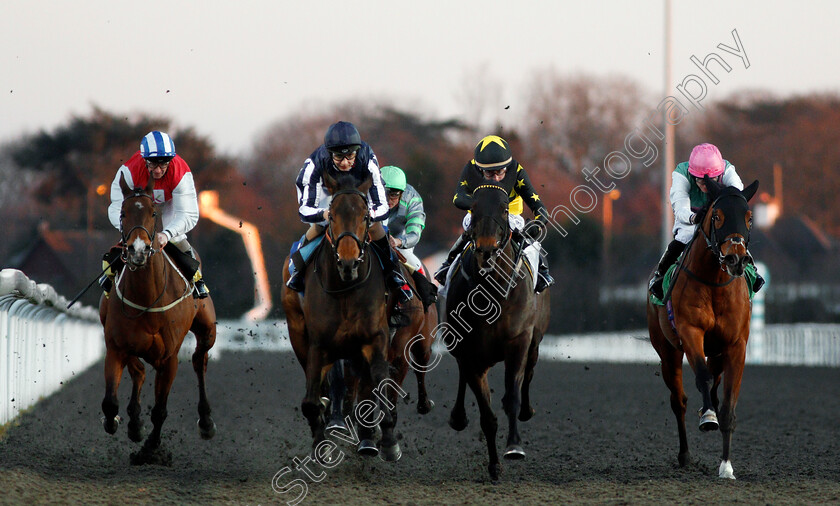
pixel 138 245
pixel 139 204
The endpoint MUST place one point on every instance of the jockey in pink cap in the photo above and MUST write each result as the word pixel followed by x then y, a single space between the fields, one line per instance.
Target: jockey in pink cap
pixel 688 190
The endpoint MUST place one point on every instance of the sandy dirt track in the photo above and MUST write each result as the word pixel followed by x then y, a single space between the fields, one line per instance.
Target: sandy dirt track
pixel 603 433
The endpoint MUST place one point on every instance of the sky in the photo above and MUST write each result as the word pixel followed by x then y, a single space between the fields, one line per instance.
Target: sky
pixel 231 69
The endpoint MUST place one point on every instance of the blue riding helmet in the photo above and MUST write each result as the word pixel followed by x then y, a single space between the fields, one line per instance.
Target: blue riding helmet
pixel 342 138
pixel 157 145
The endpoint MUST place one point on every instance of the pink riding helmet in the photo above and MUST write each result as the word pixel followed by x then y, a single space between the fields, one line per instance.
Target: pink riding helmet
pixel 705 160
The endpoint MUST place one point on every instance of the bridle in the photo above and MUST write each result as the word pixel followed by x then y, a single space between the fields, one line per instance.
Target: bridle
pixel 502 223
pixel 361 243
pixel 149 250
pixel 712 242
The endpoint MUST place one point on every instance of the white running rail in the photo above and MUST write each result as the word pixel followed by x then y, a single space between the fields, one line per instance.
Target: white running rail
pixel 42 343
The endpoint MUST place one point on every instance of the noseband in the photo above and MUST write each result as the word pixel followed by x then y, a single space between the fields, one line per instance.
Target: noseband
pixel 349 233
pixel 150 250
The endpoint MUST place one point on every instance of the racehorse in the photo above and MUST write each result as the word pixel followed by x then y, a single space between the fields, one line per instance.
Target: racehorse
pixel 410 348
pixel 495 316
pixel 147 315
pixel 342 314
pixel 711 313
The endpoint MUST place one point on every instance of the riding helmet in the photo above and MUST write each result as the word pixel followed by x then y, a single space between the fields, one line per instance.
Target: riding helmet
pixel 157 145
pixel 394 177
pixel 492 153
pixel 342 138
pixel 705 160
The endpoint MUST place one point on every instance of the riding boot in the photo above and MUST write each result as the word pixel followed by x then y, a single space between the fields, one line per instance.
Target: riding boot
pixel 672 253
pixel 201 291
pixel 390 264
pixel 544 279
pixel 758 283
pixel 111 264
pixel 440 275
pixel 296 281
pixel 425 288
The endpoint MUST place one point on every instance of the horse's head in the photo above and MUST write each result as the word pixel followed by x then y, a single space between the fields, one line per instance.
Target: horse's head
pixel 349 221
pixel 727 223
pixel 489 230
pixel 137 223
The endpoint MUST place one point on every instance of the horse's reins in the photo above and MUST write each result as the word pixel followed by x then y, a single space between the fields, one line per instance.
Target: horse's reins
pixel 334 243
pixel 132 267
pixel 505 241
pixel 712 244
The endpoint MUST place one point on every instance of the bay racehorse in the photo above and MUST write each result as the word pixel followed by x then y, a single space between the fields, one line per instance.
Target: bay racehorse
pixel 342 314
pixel 146 316
pixel 493 315
pixel 711 316
pixel 410 349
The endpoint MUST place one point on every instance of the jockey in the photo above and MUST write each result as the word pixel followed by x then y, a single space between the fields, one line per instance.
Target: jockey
pixel 406 221
pixel 174 193
pixel 493 161
pixel 343 150
pixel 688 190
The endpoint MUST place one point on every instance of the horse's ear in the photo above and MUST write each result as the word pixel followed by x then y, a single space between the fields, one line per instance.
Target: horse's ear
pixel 150 185
pixel 750 190
pixel 329 181
pixel 124 186
pixel 366 184
pixel 713 187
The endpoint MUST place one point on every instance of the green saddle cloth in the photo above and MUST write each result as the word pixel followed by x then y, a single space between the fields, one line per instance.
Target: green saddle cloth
pixel 750 273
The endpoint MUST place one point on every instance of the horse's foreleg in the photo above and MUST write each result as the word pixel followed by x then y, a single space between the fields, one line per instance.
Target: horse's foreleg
pixel 733 370
pixel 385 391
pixel 692 341
pixel 526 411
pixel 715 368
pixel 138 376
pixel 205 338
pixel 421 353
pixel 672 360
pixel 458 417
pixel 338 391
pixel 164 377
pixel 311 407
pixel 114 365
pixel 516 358
pixel 489 423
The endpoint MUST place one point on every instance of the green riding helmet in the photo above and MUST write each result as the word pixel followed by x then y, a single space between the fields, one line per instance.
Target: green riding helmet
pixel 394 177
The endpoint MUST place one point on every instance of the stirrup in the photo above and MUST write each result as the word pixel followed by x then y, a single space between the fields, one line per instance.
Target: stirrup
pixel 543 282
pixel 440 275
pixel 200 290
pixel 296 282
pixel 655 285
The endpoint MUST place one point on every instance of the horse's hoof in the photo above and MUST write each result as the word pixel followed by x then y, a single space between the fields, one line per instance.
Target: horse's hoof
pixel 708 421
pixel 135 432
pixel 495 470
pixel 725 470
pixel 391 453
pixel 368 448
pixel 206 432
pixel 526 413
pixel 336 424
pixel 425 407
pixel 514 452
pixel 112 424
pixel 459 424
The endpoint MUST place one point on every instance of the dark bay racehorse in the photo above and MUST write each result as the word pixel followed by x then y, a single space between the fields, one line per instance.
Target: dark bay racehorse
pixel 495 316
pixel 410 349
pixel 711 311
pixel 146 316
pixel 342 315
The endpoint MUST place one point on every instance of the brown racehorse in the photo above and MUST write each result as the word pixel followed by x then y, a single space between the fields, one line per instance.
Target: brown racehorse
pixel 410 349
pixel 342 315
pixel 147 314
pixel 711 311
pixel 493 315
